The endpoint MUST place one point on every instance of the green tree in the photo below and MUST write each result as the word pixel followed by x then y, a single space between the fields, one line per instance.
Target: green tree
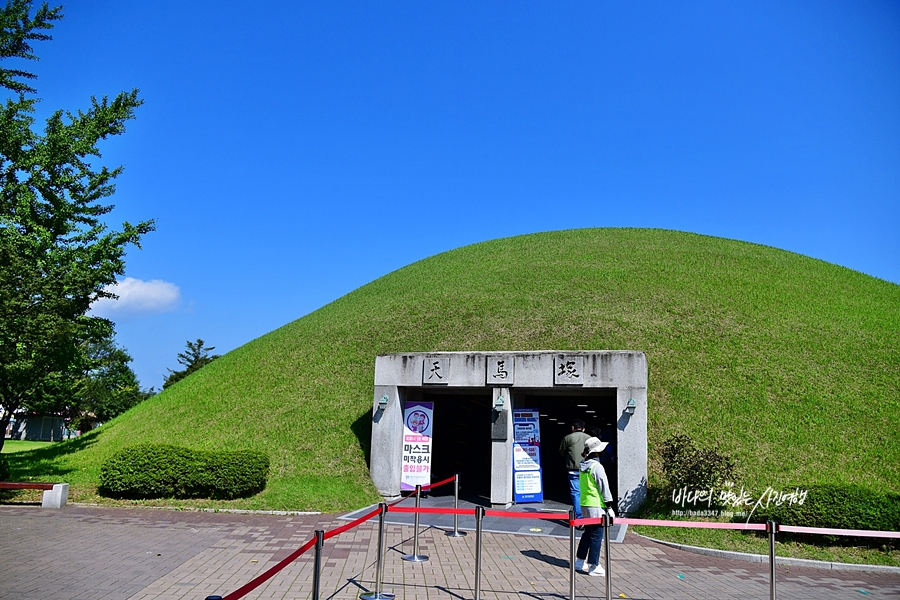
pixel 193 359
pixel 108 388
pixel 56 254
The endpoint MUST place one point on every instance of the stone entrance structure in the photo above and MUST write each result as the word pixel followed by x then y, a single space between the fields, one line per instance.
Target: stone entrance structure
pixel 474 394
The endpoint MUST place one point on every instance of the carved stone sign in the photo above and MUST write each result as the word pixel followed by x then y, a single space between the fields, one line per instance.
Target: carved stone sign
pixel 500 370
pixel 568 370
pixel 436 371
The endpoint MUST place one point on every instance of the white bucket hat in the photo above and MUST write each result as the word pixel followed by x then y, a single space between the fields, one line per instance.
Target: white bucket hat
pixel 594 444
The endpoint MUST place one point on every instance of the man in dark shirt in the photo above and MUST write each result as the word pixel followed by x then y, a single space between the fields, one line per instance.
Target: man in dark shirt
pixel 570 448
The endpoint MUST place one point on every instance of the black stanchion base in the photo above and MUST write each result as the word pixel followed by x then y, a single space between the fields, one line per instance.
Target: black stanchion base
pixel 455 534
pixel 377 596
pixel 415 558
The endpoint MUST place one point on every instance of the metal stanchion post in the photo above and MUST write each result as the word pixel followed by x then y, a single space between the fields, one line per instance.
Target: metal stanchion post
pixel 415 556
pixel 606 523
pixel 479 516
pixel 317 572
pixel 456 532
pixel 772 528
pixel 379 595
pixel 571 554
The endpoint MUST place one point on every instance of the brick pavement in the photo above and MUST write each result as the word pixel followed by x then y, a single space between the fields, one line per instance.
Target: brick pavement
pixel 98 553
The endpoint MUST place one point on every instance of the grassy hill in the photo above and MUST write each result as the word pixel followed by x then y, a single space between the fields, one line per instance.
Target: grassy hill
pixel 790 364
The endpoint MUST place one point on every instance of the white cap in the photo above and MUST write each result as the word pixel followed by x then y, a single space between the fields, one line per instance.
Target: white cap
pixel 594 444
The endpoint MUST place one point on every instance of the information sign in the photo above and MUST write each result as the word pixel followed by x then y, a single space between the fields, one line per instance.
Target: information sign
pixel 527 482
pixel 417 422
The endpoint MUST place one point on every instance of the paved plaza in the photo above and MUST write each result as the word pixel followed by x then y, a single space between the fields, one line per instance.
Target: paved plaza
pixel 84 552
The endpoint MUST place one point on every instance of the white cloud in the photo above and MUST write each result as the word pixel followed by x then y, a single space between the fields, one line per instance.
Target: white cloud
pixel 137 297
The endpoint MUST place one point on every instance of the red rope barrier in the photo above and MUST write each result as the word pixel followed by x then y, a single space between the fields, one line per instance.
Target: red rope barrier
pixel 694 524
pixel 438 483
pixel 424 488
pixel 257 581
pixel 260 579
pixel 433 511
pixel 396 502
pixel 528 515
pixel 351 524
pixel 848 532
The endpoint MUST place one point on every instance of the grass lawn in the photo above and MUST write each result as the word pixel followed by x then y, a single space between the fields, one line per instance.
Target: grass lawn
pixel 789 364
pixel 22 445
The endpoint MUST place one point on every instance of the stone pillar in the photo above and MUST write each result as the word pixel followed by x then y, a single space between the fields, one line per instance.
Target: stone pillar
pixel 387 441
pixel 501 449
pixel 632 445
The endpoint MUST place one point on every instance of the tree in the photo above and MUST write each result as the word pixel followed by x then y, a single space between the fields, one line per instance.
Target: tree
pixel 56 255
pixel 193 359
pixel 108 388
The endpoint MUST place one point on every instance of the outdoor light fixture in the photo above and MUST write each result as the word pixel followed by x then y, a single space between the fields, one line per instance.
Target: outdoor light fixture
pixel 498 403
pixel 629 408
pixel 382 404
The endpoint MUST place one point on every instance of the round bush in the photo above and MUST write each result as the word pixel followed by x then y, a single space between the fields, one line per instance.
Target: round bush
pixel 167 471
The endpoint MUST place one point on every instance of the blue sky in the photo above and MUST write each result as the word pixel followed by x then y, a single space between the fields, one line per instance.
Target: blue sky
pixel 293 152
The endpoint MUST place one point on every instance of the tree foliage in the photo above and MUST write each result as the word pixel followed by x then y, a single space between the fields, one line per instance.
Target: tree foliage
pixel 194 358
pixel 57 255
pixel 108 388
pixel 687 464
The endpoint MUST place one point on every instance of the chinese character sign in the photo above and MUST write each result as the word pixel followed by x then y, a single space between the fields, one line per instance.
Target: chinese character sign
pixel 436 371
pixel 500 370
pixel 569 370
pixel 527 480
pixel 417 422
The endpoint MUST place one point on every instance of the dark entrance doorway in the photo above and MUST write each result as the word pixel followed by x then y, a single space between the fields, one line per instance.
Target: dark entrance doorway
pixel 558 410
pixel 462 435
pixel 462 442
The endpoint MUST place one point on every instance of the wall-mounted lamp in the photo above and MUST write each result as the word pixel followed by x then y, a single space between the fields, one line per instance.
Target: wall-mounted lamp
pixel 498 403
pixel 629 408
pixel 382 403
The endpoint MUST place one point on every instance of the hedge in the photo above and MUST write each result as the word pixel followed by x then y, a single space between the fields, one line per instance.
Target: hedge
pixel 840 507
pixel 167 471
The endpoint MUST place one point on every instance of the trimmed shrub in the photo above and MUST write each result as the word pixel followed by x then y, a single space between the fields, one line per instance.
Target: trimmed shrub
pixel 233 474
pixel 167 471
pixel 688 465
pixel 4 468
pixel 840 507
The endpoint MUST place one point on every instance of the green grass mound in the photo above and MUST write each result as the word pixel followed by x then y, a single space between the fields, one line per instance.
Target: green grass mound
pixel 790 365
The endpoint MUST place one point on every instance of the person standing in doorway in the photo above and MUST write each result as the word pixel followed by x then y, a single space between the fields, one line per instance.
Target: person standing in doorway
pixel 571 449
pixel 596 501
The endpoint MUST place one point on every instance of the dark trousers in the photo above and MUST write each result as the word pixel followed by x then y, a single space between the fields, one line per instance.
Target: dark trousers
pixel 589 544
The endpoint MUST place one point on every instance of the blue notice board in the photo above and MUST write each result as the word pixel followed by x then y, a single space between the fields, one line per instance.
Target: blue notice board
pixel 527 483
